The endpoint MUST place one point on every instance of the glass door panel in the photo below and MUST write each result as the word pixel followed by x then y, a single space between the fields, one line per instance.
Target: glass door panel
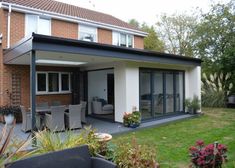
pixel 169 84
pixel 179 91
pixel 158 94
pixel 145 95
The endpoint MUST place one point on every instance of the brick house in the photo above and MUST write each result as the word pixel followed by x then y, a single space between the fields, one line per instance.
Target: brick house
pixel 54 51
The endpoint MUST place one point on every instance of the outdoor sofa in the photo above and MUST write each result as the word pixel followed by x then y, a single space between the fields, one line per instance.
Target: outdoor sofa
pixel 77 157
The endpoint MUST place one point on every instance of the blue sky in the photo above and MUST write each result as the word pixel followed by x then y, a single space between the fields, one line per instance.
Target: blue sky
pixel 142 10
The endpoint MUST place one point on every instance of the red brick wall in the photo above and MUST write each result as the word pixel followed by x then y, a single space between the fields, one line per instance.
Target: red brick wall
pixel 139 42
pixel 17 27
pixel 64 29
pixel 104 36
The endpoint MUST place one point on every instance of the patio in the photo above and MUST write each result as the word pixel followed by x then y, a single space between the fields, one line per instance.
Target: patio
pixel 108 127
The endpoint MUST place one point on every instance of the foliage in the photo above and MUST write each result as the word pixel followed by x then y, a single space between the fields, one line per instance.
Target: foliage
pixel 132 155
pixel 210 156
pixel 171 141
pixel 133 118
pixel 152 41
pixel 48 141
pixel 176 32
pixel 9 148
pixel 214 39
pixel 193 104
pixel 215 89
pixel 6 110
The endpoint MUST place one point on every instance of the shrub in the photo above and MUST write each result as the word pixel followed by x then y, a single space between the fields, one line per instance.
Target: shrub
pixel 5 110
pixel 48 141
pixel 210 156
pixel 133 155
pixel 193 105
pixel 215 89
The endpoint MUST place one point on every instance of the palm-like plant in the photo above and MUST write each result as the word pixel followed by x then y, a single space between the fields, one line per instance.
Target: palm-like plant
pixel 9 149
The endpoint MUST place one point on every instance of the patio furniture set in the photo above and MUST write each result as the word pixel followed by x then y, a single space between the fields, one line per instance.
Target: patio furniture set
pixel 56 117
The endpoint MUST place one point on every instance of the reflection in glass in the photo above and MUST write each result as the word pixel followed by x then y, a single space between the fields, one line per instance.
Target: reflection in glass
pixel 158 93
pixel 169 93
pixel 179 91
pixel 145 95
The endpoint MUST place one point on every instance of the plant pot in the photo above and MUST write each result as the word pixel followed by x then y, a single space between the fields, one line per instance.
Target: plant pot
pixel 126 124
pixel 9 119
pixel 135 125
pixel 231 99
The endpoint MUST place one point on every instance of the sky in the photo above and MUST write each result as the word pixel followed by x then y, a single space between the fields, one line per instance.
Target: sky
pixel 143 10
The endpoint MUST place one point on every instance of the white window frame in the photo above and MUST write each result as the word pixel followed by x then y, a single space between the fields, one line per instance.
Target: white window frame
pixel 119 36
pixel 84 26
pixel 47 83
pixel 38 18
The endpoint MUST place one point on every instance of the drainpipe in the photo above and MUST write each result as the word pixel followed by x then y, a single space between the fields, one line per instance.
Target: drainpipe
pixel 9 26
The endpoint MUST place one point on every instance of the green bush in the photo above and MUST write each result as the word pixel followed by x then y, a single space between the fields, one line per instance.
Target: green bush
pixel 132 155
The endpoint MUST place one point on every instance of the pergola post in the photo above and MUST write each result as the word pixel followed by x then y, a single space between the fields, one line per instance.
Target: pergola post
pixel 33 89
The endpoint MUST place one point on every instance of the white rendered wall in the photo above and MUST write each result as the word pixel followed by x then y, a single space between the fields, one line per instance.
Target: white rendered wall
pixel 126 89
pixel 193 82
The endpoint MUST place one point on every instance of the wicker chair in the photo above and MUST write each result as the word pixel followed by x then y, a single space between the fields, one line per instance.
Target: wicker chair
pixel 83 113
pixel 27 120
pixel 55 120
pixel 73 118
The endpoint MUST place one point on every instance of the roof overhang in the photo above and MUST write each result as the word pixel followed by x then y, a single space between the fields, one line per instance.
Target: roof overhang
pixel 42 43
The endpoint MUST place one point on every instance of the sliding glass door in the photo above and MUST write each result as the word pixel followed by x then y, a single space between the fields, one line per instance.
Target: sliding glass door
pixel 145 95
pixel 158 94
pixel 161 92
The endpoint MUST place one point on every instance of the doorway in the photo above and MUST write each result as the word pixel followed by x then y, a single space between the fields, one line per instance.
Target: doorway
pixel 161 93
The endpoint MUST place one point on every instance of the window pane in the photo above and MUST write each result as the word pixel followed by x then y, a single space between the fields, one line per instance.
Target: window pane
pixel 145 95
pixel 87 33
pixel 115 38
pixel 31 25
pixel 53 82
pixel 123 40
pixel 158 97
pixel 130 41
pixel 179 91
pixel 65 82
pixel 169 93
pixel 44 26
pixel 41 82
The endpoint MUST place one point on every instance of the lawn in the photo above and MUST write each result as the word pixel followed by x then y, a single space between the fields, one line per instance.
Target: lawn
pixel 173 140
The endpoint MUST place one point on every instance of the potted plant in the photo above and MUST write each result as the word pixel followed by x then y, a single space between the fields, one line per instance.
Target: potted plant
pixel 132 119
pixel 8 112
pixel 193 105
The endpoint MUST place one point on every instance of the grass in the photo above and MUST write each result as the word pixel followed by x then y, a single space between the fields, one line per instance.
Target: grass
pixel 173 140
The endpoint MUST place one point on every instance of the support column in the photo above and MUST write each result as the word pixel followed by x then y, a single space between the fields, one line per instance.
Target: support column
pixel 33 89
pixel 126 89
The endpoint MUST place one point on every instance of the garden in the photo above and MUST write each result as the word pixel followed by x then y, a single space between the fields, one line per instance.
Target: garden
pixel 176 144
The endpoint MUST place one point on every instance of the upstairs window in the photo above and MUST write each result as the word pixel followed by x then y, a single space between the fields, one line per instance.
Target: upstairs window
pixel 36 24
pixel 124 40
pixel 87 33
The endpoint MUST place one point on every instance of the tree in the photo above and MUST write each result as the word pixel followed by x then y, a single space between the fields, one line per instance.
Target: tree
pixel 214 39
pixel 152 41
pixel 176 31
